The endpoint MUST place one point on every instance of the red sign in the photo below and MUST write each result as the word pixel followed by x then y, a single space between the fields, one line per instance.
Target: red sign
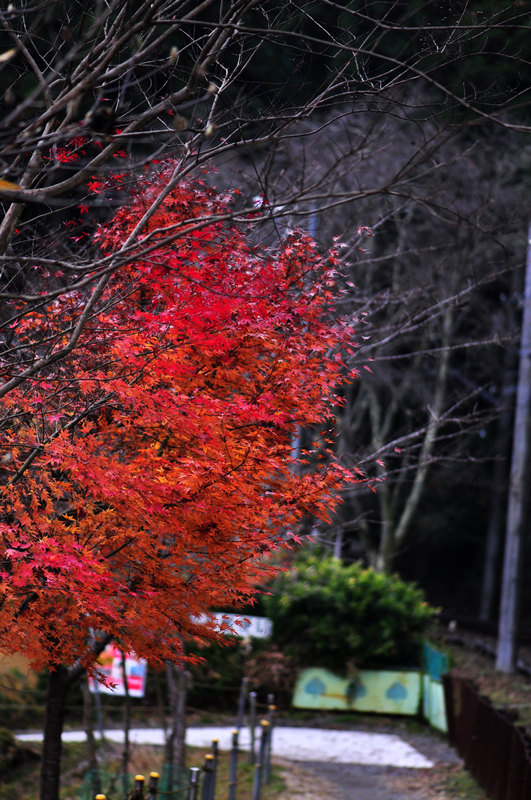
pixel 111 674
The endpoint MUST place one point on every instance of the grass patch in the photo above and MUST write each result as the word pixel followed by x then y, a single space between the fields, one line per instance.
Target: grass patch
pixel 22 782
pixel 510 692
pixel 458 784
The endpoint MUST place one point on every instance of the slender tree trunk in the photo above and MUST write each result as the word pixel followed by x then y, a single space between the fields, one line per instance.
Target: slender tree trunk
pixel 88 726
pixel 338 543
pixel 387 548
pixel 394 533
pixel 161 708
pixel 518 496
pixel 58 685
pixel 500 474
pixel 175 744
pixel 492 544
pixel 497 507
pixel 127 721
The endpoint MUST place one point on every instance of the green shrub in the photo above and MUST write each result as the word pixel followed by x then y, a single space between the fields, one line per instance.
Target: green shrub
pixel 331 615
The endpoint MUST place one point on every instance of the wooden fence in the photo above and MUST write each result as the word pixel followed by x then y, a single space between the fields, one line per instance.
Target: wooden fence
pixel 495 750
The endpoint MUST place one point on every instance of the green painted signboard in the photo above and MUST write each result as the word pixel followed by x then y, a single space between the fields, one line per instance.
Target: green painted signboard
pixel 380 691
pixel 433 706
pixel 436 663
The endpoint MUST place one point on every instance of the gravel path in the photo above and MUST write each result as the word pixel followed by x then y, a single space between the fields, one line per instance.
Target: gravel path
pixel 294 743
pixel 322 779
pixel 316 744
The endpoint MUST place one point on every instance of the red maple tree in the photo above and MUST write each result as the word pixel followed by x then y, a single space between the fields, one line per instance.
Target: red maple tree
pixel 147 475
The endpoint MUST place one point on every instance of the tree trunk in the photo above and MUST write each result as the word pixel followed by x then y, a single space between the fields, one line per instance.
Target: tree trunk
pixel 175 745
pixel 338 543
pixel 500 473
pixel 126 752
pixel 59 681
pixel 497 507
pixel 88 726
pixel 387 548
pixel 394 532
pixel 492 544
pixel 58 685
pixel 518 496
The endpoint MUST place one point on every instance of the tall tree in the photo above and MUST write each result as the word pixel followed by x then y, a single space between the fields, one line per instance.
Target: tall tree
pixel 518 502
pixel 145 475
pixel 86 88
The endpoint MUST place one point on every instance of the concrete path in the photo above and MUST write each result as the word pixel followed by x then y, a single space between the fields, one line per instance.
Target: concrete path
pixel 295 744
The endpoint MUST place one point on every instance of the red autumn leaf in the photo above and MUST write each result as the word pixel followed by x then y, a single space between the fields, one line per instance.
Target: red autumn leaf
pixel 171 477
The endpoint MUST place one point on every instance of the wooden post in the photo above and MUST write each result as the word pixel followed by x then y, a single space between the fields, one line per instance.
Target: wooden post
pixel 215 750
pixel 257 783
pixel 241 703
pixel 252 725
pixel 267 766
pixel 138 790
pixel 264 746
pixel 208 775
pixel 233 771
pixel 259 766
pixel 153 785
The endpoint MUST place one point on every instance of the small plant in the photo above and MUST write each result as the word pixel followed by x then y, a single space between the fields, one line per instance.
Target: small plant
pixel 340 616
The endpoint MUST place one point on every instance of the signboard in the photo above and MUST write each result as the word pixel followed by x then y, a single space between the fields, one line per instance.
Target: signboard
pixel 381 691
pixel 110 668
pixel 241 624
pixel 258 627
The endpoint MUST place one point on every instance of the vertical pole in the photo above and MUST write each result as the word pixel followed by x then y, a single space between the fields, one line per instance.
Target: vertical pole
pixel 99 710
pixel 241 703
pixel 258 769
pixel 193 783
pixel 519 491
pixel 127 723
pixel 88 725
pixel 138 790
pixel 257 783
pixel 267 766
pixel 264 746
pixel 153 785
pixel 215 750
pixel 233 770
pixel 206 792
pixel 252 725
